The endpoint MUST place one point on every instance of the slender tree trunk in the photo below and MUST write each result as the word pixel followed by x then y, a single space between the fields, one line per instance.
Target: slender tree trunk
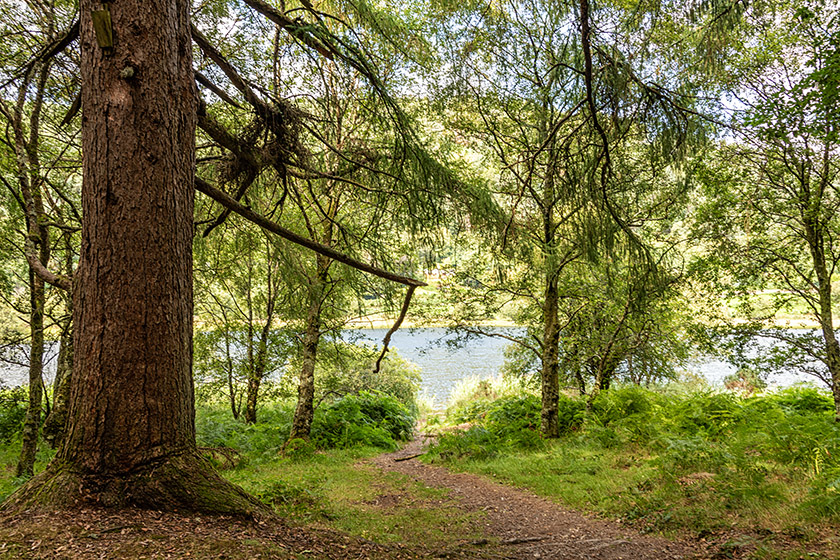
pixel 305 409
pixel 257 373
pixel 55 423
pixel 550 425
pixel 37 247
pixel 235 400
pixel 826 317
pixel 259 364
pixel 131 432
pixel 32 423
pixel 550 422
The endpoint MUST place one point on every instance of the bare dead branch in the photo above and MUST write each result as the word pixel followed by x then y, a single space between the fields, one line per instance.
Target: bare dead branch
pixel 396 326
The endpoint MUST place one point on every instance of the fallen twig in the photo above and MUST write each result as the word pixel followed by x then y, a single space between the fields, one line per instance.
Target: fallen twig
pixel 523 540
pixel 398 459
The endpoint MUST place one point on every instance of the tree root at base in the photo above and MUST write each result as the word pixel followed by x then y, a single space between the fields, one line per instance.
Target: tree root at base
pixel 182 482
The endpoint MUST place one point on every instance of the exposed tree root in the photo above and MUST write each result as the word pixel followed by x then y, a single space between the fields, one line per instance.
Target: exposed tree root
pixel 184 482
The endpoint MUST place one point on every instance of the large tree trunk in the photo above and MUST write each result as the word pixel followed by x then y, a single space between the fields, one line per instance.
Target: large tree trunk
pixel 131 434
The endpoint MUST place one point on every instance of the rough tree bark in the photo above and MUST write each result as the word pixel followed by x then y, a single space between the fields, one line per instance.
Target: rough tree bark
pixel 131 434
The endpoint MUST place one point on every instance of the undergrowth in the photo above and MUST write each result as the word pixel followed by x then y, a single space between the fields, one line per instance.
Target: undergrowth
pixel 703 461
pixel 367 419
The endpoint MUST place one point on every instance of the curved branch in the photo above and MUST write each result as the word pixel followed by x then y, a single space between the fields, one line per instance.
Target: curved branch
pixel 228 202
pixel 40 270
pixel 387 339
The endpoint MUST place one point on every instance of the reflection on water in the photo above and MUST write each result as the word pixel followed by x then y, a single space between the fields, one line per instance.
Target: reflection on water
pixel 442 364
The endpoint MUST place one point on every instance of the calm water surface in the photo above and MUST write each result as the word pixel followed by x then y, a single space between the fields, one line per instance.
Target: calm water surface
pixel 442 364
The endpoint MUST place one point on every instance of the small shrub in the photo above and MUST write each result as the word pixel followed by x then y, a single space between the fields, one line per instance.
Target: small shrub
pixel 477 443
pixel 712 413
pixel 516 421
pixel 620 402
pixel 216 427
pixel 372 419
pixel 471 411
pixel 747 380
pixel 570 413
pixel 804 400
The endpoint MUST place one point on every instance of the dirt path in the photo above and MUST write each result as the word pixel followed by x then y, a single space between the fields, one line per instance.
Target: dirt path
pixel 530 527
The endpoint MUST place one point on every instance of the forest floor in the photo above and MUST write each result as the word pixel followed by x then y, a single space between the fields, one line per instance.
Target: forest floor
pixel 488 521
pixel 521 525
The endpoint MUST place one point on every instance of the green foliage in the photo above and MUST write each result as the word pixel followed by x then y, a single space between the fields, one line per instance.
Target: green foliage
pixel 215 427
pixel 477 443
pixel 668 459
pixel 508 423
pixel 622 402
pixel 516 421
pixel 804 399
pixel 13 404
pixel 294 500
pixel 346 369
pixel 471 397
pixel 371 419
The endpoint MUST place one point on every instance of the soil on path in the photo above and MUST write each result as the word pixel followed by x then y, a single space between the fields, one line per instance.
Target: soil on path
pixel 525 526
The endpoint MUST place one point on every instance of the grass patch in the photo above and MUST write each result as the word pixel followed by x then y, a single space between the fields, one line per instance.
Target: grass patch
pixel 9 455
pixel 335 489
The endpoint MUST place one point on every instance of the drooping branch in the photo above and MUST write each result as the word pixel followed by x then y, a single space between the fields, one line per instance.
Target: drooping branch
pixel 387 340
pixel 605 156
pixel 228 202
pixel 295 29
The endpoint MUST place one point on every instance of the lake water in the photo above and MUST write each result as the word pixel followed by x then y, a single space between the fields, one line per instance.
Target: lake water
pixel 442 364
